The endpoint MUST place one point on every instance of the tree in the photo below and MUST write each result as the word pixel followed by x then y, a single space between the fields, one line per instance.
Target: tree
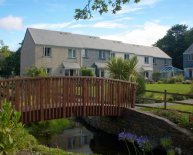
pixel 174 44
pixel 11 64
pixel 101 6
pixel 119 68
pixel 126 70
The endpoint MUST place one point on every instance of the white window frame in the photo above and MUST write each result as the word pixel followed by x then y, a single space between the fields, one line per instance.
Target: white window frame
pixel 102 55
pixel 85 53
pixel 126 56
pixel 146 60
pixel 71 53
pixel 47 52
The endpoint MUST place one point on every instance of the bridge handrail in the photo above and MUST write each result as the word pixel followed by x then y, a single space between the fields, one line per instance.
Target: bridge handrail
pixel 43 98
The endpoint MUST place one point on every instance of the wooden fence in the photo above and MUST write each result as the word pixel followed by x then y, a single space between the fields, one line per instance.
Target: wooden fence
pixel 165 100
pixel 48 98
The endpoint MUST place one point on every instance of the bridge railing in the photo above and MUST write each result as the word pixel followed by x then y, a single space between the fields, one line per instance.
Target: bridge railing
pixel 59 97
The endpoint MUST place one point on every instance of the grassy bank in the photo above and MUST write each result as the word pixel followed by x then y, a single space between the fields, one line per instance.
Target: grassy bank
pixel 172 88
pixel 181 119
pixel 14 138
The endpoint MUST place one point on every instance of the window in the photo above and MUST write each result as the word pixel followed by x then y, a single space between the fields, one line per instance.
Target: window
pixel 146 74
pixel 101 54
pixel 47 52
pixel 146 60
pixel 126 56
pixel 71 53
pixel 154 61
pixel 165 61
pixel 112 55
pixel 49 70
pixel 190 57
pixel 84 53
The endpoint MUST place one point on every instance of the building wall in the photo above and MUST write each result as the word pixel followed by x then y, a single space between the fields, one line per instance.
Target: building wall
pixel 93 56
pixel 160 63
pixel 187 63
pixel 58 55
pixel 27 58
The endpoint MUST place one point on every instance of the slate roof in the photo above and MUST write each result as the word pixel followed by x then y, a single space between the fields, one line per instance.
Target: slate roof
pixel 64 39
pixel 189 50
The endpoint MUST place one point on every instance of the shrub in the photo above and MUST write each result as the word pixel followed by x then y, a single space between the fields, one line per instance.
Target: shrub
pixel 156 76
pixel 35 71
pixel 87 72
pixel 140 86
pixel 187 82
pixel 175 79
pixel 13 137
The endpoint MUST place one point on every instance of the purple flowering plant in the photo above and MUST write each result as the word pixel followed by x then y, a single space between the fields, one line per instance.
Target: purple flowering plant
pixel 143 142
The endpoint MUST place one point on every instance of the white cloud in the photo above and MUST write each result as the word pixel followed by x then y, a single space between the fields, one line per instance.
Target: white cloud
pixel 11 23
pixel 148 2
pixel 137 7
pixel 108 24
pixel 103 24
pixel 129 10
pixel 146 34
pixel 57 26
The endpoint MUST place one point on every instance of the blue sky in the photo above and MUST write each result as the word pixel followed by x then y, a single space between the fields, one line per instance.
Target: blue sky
pixel 143 23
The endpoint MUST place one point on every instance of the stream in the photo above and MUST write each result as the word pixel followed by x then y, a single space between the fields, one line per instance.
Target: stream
pixel 81 140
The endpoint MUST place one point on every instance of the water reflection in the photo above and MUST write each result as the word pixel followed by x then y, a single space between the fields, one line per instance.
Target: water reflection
pixel 81 140
pixel 73 140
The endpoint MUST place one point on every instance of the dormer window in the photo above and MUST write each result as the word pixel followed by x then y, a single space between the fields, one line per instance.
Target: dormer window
pixel 47 52
pixel 71 53
pixel 146 60
pixel 126 56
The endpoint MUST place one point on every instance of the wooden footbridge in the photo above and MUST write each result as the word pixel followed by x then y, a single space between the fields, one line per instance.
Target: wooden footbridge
pixel 48 98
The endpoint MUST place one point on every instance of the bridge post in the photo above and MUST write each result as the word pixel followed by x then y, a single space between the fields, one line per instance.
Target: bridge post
pixel 133 96
pixel 17 94
pixel 41 99
pixel 101 84
pixel 84 91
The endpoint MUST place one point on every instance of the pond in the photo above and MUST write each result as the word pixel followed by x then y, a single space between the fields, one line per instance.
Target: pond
pixel 81 140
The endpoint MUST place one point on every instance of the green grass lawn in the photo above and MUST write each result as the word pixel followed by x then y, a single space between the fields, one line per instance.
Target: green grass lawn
pixel 172 88
pixel 186 108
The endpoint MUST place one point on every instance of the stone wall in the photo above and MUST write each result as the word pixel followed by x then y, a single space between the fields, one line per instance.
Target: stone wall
pixel 144 124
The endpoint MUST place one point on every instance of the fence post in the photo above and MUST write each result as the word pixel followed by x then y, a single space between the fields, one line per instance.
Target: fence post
pixel 165 99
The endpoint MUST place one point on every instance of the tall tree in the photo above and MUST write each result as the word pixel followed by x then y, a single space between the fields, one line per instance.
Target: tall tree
pixel 11 64
pixel 101 6
pixel 174 44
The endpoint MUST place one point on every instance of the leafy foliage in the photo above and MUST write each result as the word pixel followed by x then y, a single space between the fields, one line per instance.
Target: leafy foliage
pixel 35 71
pixel 175 42
pixel 9 61
pixel 13 137
pixel 87 72
pixel 49 127
pixel 101 6
pixel 126 70
pixel 123 69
